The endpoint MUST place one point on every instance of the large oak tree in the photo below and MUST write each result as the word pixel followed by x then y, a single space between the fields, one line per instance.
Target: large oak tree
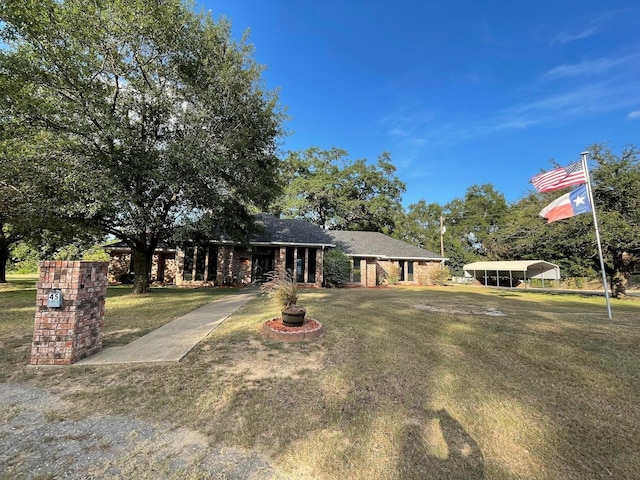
pixel 162 121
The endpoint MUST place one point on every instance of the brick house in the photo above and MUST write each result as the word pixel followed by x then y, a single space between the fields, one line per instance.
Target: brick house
pixel 294 243
pixel 376 256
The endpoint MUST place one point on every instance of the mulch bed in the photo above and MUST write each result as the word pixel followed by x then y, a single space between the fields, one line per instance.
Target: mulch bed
pixel 276 330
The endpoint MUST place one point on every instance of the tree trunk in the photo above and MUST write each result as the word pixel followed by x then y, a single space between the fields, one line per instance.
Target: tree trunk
pixel 142 261
pixel 4 254
pixel 619 284
pixel 4 258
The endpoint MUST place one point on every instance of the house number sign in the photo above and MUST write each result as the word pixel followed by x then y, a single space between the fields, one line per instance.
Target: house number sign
pixel 54 299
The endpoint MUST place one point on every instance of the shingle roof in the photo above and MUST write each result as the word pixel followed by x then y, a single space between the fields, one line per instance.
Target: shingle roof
pixel 286 231
pixel 290 231
pixel 374 244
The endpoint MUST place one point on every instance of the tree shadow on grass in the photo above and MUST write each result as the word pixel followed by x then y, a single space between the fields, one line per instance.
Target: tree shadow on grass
pixel 439 447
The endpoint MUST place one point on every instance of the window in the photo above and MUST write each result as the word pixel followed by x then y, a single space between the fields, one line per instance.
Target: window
pixel 289 259
pixel 312 265
pixel 212 266
pixel 189 253
pixel 300 265
pixel 356 272
pixel 409 271
pixel 200 262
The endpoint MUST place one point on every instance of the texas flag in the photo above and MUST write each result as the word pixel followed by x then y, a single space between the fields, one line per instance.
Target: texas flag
pixel 568 205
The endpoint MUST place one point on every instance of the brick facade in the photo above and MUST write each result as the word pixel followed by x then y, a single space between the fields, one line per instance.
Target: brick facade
pixel 62 336
pixel 236 264
pixel 375 272
pixel 163 267
pixel 371 278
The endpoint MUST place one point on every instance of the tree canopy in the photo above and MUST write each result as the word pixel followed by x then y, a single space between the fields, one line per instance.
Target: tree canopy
pixel 162 124
pixel 328 189
pixel 420 225
pixel 571 243
pixel 483 226
pixel 31 195
pixel 470 221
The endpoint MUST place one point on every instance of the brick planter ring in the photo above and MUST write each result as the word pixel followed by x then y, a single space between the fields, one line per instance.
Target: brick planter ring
pixel 276 330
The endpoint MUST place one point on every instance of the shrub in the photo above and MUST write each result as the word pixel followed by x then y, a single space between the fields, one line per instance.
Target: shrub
pixel 440 276
pixel 24 259
pixel 336 268
pixel 575 282
pixel 423 278
pixel 393 275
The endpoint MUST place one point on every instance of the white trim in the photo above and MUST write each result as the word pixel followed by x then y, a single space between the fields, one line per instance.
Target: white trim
pixel 385 257
pixel 271 244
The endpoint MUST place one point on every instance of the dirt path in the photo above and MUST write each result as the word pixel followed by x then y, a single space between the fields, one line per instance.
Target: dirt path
pixel 35 443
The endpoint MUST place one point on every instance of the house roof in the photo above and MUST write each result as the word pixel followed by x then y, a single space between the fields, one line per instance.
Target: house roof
pixel 297 232
pixel 379 245
pixel 283 231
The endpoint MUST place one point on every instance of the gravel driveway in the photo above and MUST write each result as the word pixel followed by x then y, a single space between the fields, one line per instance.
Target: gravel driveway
pixel 35 443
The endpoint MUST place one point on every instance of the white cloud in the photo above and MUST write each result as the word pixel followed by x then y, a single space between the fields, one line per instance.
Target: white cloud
pixel 565 37
pixel 595 67
pixel 595 26
pixel 576 101
pixel 580 100
pixel 406 128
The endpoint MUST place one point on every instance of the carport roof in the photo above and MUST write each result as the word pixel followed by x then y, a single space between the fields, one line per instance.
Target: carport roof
pixel 509 266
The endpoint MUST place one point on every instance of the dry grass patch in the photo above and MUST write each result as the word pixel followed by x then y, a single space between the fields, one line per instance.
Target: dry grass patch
pixel 549 390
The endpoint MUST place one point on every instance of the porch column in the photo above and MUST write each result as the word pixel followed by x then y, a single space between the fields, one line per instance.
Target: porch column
pixel 179 280
pixel 281 257
pixel 319 266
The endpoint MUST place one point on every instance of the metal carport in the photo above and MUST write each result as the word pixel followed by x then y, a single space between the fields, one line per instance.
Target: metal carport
pixel 514 269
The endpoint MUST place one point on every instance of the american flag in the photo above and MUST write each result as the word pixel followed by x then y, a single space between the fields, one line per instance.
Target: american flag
pixel 560 177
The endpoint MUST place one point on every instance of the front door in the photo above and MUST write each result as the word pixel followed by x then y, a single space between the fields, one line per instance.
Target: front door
pixel 263 263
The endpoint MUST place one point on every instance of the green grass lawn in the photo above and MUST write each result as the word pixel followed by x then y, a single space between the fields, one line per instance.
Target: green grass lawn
pixel 447 382
pixel 127 316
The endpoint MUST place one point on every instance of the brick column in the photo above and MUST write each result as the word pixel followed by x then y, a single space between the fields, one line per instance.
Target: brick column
pixel 372 273
pixel 319 267
pixel 62 336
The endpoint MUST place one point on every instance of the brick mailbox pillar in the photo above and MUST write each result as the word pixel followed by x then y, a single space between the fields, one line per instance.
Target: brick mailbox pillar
pixel 69 312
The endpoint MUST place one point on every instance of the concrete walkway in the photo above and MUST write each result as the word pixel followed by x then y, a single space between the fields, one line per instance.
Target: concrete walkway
pixel 172 341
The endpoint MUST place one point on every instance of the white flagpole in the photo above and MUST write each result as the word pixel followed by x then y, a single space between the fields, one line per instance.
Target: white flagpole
pixel 585 167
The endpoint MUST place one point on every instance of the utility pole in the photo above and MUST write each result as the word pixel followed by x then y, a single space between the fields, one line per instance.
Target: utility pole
pixel 442 230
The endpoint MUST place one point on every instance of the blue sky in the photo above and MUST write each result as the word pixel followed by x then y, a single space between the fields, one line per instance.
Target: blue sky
pixel 459 92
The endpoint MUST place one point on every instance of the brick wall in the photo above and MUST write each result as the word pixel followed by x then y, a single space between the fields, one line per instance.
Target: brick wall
pixel 371 277
pixel 118 265
pixel 62 336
